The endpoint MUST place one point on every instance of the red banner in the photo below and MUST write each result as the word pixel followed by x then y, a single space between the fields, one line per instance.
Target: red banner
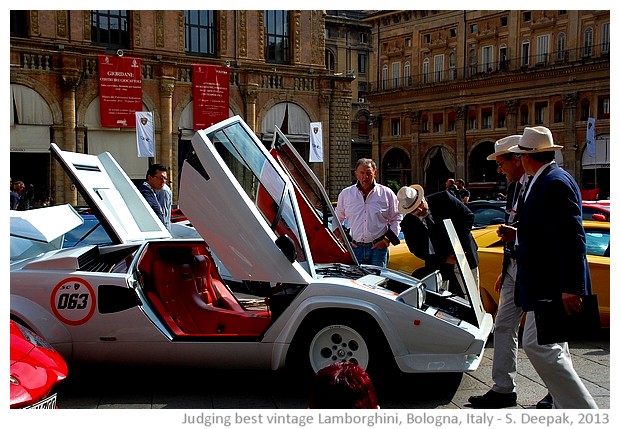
pixel 120 90
pixel 211 94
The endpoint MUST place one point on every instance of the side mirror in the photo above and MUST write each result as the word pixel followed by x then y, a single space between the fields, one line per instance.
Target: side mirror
pixel 287 246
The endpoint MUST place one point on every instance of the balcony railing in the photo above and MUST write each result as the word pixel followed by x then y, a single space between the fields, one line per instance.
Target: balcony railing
pixel 565 58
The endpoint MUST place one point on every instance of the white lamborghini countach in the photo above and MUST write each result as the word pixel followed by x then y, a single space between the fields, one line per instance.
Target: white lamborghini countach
pixel 266 283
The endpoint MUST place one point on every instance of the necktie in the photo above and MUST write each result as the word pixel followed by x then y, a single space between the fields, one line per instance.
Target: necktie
pixel 523 192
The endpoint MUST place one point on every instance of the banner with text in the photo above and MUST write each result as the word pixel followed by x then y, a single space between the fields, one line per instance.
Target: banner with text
pixel 120 90
pixel 145 134
pixel 591 137
pixel 316 142
pixel 211 94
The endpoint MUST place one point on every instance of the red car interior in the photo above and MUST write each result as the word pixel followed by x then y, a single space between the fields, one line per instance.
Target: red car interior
pixel 184 285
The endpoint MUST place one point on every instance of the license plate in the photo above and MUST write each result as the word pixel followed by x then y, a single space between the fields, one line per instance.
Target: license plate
pixel 48 403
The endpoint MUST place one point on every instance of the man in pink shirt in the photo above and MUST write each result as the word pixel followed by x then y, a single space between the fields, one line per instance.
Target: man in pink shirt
pixel 371 212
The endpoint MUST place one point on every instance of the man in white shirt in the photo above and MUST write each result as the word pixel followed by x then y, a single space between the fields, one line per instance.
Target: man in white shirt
pixel 371 211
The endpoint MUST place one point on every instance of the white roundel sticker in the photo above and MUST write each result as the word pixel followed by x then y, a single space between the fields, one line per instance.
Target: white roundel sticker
pixel 73 301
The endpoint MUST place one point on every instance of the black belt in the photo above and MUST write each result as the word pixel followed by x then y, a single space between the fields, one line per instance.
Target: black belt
pixel 358 243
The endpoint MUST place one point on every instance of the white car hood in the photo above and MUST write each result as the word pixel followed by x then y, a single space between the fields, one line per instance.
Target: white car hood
pixel 113 198
pixel 243 204
pixel 44 224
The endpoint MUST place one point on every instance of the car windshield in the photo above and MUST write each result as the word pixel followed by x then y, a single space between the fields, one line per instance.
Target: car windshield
pixel 597 243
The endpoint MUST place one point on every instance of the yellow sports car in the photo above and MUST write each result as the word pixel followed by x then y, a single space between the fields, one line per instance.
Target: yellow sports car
pixel 491 253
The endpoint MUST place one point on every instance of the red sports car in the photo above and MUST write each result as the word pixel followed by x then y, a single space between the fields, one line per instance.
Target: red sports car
pixel 35 369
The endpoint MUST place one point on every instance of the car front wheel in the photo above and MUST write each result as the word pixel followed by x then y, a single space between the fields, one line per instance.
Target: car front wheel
pixel 336 343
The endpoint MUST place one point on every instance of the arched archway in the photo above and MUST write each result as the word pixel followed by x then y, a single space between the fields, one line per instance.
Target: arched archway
pixel 31 120
pixel 484 181
pixel 293 121
pixel 439 165
pixel 396 169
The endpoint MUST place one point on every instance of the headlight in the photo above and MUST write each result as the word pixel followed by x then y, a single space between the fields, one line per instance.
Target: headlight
pixel 34 338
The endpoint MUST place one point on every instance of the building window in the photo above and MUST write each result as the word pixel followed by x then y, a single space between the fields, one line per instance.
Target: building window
pixel 501 117
pixel 503 57
pixel 407 75
pixel 525 115
pixel 587 42
pixel 487 118
pixel 585 110
pixel 277 35
pixel 486 65
pixel 361 63
pixel 330 61
pixel 503 21
pixel 110 28
pixel 452 66
pixel 427 38
pixel 542 49
pixel 438 68
pixel 603 107
pixel 451 121
pixel 527 16
pixel 19 23
pixel 561 54
pixel 396 127
pixel 437 122
pixel 605 38
pixel 561 12
pixel 472 63
pixel 473 28
pixel 408 42
pixel 361 90
pixel 540 112
pixel 453 32
pixel 200 32
pixel 424 121
pixel 364 38
pixel 384 76
pixel 472 119
pixel 558 112
pixel 395 75
pixel 362 126
pixel 525 53
pixel 425 70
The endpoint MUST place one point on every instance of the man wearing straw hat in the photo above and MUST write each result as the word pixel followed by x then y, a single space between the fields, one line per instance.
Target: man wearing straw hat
pixel 508 316
pixel 542 275
pixel 426 235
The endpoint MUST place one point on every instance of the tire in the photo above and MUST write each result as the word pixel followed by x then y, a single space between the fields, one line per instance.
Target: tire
pixel 335 343
pixel 325 338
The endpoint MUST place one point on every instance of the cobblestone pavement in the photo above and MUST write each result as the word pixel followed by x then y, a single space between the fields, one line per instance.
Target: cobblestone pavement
pixel 183 388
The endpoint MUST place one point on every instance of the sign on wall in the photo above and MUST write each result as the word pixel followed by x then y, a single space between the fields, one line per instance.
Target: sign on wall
pixel 211 94
pixel 120 90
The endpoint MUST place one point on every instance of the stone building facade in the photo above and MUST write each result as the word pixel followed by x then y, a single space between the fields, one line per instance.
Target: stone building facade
pixel 55 89
pixel 447 84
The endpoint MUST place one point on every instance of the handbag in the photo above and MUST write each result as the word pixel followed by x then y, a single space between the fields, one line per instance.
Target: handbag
pixel 554 325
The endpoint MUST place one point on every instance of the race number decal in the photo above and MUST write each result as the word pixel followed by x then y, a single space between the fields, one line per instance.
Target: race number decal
pixel 73 301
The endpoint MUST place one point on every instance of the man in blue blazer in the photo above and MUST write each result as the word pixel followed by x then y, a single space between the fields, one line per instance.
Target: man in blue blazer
pixel 551 260
pixel 156 178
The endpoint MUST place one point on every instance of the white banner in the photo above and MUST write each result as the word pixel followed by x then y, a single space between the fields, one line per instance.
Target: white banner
pixel 316 142
pixel 591 138
pixel 145 134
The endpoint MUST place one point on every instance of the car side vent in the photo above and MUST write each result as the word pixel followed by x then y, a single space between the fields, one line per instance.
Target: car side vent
pixel 92 261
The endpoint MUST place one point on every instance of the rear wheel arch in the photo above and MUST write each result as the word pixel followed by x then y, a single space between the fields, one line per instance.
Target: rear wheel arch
pixel 39 320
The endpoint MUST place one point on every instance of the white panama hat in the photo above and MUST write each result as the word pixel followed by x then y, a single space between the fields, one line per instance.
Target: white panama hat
pixel 409 198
